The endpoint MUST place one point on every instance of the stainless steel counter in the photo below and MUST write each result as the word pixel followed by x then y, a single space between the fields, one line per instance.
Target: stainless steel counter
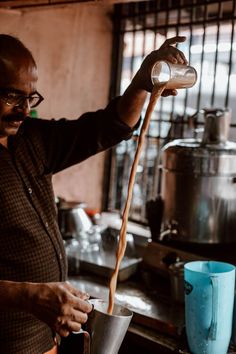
pixel 157 320
pixel 151 309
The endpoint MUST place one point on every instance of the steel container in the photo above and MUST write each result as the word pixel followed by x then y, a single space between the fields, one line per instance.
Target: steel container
pixel 199 186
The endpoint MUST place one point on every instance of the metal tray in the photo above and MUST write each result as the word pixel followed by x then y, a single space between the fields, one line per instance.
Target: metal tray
pixel 103 263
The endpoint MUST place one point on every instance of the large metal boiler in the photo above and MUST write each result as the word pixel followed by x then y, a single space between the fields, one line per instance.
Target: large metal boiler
pixel 198 185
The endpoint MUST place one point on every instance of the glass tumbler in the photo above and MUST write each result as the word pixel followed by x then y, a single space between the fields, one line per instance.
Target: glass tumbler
pixel 176 76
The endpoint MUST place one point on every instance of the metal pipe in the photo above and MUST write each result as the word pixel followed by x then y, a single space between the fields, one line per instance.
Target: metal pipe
pixel 230 57
pixel 202 55
pixel 217 52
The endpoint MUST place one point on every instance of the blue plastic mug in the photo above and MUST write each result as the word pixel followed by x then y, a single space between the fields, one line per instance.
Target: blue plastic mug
pixel 209 300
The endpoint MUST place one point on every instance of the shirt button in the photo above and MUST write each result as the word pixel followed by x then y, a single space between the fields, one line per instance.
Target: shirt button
pixel 30 190
pixel 46 224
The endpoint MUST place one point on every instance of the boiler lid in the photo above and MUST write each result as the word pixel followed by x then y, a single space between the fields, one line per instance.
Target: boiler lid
pixel 192 156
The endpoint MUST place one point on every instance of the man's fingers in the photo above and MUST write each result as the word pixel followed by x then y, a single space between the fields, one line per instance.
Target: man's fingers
pixel 76 292
pixel 70 323
pixel 175 57
pixel 82 305
pixel 80 294
pixel 167 92
pixel 173 41
pixel 74 326
pixel 69 327
pixel 181 58
pixel 79 317
pixel 63 332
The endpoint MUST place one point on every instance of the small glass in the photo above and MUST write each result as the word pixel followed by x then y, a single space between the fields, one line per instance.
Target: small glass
pixel 72 249
pixel 176 76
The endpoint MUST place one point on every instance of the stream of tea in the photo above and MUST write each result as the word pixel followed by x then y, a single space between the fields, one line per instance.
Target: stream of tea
pixel 156 93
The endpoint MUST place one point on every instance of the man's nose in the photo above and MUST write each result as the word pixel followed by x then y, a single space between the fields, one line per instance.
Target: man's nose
pixel 24 106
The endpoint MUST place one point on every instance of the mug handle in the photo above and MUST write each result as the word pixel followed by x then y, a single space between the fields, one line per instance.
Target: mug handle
pixel 213 326
pixel 86 340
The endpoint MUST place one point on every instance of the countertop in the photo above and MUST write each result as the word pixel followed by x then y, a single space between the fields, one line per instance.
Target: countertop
pixel 156 318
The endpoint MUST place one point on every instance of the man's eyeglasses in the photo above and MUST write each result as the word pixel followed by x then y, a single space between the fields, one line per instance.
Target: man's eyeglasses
pixel 15 99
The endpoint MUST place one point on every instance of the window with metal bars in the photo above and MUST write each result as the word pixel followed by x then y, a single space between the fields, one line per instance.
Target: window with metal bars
pixel 210 48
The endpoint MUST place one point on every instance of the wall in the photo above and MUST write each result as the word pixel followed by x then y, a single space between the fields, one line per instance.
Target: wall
pixel 72 47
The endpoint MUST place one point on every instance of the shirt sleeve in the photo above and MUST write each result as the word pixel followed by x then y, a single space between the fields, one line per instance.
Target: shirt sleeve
pixel 64 142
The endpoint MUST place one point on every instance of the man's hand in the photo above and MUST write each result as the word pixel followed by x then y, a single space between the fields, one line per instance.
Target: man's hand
pixel 130 105
pixel 61 306
pixel 167 52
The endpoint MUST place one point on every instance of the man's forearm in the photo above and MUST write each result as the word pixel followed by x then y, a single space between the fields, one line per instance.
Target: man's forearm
pixel 13 295
pixel 58 304
pixel 130 105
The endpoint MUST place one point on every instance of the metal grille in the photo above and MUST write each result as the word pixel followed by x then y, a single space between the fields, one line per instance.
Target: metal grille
pixel 141 27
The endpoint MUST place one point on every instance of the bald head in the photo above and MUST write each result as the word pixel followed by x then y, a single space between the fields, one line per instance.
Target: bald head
pixel 15 61
pixel 11 48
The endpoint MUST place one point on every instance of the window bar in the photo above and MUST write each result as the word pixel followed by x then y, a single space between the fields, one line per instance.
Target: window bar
pixel 167 6
pixel 144 181
pixel 217 51
pixel 177 33
pixel 110 174
pixel 181 122
pixel 117 52
pixel 191 12
pixel 133 42
pixel 155 186
pixel 126 156
pixel 161 100
pixel 167 13
pixel 202 54
pixel 155 23
pixel 230 56
pixel 171 25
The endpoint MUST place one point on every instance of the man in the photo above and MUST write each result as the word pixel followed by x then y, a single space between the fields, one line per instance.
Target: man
pixel 36 302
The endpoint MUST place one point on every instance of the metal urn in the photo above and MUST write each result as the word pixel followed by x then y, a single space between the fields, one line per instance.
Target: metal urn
pixel 198 185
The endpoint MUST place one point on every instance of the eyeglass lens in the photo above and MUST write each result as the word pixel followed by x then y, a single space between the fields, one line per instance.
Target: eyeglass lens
pixel 15 99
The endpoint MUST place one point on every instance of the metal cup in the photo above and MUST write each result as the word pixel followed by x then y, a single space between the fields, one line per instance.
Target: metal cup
pixel 175 76
pixel 106 331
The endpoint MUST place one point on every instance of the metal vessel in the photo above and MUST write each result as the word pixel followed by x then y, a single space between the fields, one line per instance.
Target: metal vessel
pixel 199 185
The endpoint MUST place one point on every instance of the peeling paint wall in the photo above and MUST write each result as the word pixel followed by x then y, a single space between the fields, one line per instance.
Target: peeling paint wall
pixel 72 48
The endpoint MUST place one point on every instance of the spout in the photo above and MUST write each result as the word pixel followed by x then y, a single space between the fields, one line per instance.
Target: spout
pixel 164 234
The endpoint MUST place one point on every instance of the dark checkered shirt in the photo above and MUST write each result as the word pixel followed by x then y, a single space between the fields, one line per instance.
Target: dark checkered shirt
pixel 31 247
